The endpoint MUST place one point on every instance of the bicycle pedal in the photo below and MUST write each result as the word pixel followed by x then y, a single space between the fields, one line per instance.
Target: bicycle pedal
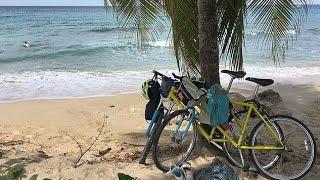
pixel 142 162
pixel 246 168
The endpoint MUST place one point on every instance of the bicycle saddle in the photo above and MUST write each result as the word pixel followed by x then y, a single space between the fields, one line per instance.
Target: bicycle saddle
pixel 262 82
pixel 235 74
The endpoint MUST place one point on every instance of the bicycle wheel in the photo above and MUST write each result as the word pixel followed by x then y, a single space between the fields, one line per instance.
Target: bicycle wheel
pixel 298 155
pixel 233 154
pixel 150 138
pixel 168 148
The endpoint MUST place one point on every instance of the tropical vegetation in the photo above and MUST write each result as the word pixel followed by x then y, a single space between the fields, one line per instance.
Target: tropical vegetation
pixel 206 32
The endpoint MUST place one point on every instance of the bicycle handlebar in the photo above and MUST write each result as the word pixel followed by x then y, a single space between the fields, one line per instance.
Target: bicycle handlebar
pixel 176 77
pixel 157 73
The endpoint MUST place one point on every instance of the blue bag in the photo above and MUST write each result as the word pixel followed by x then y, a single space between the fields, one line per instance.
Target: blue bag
pixel 218 105
pixel 216 171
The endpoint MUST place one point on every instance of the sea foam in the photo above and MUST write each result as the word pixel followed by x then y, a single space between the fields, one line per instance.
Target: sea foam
pixel 51 84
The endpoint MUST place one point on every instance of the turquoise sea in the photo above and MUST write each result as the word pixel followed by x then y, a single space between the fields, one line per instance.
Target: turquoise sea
pixel 83 51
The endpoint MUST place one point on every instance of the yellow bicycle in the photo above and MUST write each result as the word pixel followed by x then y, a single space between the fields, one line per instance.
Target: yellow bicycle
pixel 281 147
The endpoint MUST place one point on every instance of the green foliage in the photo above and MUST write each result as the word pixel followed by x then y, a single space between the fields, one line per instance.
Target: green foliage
pixel 122 176
pixel 34 177
pixel 184 25
pixel 17 173
pixel 273 19
pixel 13 173
pixel 231 18
pixel 145 15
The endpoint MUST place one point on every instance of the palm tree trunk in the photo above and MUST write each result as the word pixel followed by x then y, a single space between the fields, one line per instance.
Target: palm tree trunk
pixel 208 40
pixel 208 56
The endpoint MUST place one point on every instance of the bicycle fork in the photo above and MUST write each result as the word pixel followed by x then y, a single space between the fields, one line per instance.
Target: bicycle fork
pixel 183 134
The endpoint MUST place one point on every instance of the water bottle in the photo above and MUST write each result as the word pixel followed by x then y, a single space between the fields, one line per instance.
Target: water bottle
pixel 187 171
pixel 177 172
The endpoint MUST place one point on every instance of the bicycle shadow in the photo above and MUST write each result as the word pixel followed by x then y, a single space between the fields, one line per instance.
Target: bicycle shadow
pixel 134 137
pixel 201 147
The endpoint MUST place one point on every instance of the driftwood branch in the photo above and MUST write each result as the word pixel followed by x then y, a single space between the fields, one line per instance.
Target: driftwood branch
pixel 82 152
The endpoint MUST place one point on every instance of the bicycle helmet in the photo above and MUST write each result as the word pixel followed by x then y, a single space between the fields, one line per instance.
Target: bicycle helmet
pixel 145 88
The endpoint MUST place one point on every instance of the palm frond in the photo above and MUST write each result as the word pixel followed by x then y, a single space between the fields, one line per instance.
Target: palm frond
pixel 231 17
pixel 275 19
pixel 145 15
pixel 148 17
pixel 184 24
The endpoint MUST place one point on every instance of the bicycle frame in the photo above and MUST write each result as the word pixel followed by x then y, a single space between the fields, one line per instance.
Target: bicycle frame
pixel 243 126
pixel 174 101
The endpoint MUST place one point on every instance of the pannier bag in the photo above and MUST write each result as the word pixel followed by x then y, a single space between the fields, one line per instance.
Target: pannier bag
pixel 215 108
pixel 154 99
pixel 189 90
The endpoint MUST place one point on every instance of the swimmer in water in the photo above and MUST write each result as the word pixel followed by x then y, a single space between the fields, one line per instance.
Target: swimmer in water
pixel 26 45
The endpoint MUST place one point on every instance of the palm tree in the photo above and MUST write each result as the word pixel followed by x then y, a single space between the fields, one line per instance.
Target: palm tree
pixel 201 28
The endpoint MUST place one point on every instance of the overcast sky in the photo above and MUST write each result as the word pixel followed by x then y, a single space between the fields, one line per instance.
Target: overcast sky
pixel 64 2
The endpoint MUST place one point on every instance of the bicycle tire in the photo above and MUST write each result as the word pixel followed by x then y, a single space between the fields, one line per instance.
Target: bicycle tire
pixel 309 135
pixel 148 145
pixel 160 130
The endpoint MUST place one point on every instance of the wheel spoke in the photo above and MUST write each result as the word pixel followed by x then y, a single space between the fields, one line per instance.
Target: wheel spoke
pixel 293 162
pixel 167 152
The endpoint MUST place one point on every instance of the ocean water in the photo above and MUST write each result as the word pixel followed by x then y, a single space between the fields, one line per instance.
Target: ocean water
pixel 83 51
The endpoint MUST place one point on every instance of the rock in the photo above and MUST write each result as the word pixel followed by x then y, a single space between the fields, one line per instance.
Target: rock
pixel 104 152
pixel 42 154
pixel 236 96
pixel 271 101
pixel 269 96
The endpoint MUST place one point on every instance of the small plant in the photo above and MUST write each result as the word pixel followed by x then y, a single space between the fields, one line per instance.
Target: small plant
pixel 17 173
pixel 122 176
pixel 13 173
pixel 34 177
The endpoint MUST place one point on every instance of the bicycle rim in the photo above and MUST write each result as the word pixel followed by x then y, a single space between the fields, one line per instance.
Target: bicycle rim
pixel 298 156
pixel 167 151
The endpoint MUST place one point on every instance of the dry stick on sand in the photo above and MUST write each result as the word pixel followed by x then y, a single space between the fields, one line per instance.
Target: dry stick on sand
pixel 82 153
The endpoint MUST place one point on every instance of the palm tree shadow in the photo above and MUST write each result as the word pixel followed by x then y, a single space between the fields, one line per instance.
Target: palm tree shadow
pixel 201 148
pixel 23 161
pixel 135 137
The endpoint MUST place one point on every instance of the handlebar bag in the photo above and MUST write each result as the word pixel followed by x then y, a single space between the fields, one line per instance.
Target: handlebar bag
pixel 190 89
pixel 154 100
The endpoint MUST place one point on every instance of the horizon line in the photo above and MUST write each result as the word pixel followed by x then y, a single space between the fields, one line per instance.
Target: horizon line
pixel 74 5
pixel 53 6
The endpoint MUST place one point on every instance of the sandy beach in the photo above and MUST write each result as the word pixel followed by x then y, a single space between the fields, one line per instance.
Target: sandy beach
pixel 41 135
